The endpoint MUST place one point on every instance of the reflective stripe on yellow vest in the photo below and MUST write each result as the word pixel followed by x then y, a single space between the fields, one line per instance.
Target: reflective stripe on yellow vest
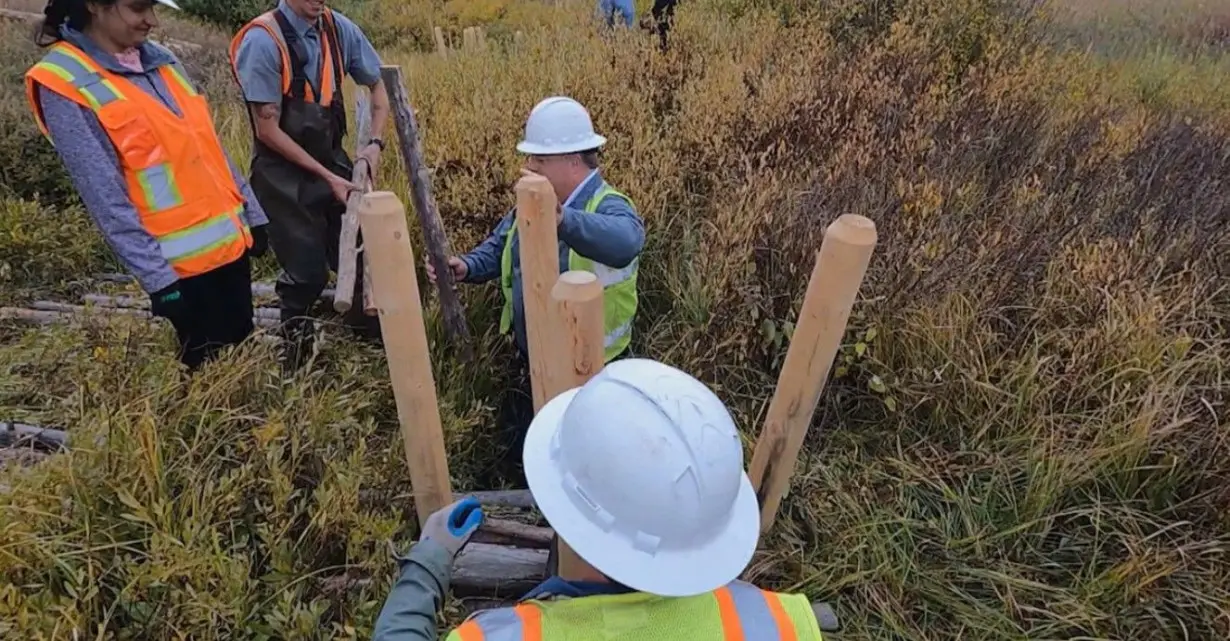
pixel 736 612
pixel 177 175
pixel 619 300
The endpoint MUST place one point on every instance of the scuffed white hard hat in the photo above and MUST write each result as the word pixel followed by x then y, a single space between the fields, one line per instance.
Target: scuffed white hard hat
pixel 640 472
pixel 559 125
pixel 169 3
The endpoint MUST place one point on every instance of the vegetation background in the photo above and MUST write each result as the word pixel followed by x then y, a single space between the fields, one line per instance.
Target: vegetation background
pixel 1026 436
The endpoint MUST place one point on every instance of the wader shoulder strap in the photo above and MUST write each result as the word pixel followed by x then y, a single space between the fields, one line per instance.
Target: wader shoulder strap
pixel 335 57
pixel 294 48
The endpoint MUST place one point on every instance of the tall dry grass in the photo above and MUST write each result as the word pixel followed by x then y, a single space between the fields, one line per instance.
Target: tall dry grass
pixel 1025 436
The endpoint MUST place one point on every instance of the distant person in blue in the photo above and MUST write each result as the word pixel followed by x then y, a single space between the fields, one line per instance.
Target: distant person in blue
pixel 625 8
pixel 290 63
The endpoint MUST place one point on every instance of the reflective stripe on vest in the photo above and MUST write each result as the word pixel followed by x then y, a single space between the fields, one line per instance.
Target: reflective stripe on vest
pixel 736 612
pixel 619 297
pixel 195 218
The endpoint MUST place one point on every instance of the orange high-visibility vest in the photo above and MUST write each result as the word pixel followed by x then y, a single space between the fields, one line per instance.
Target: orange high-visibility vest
pixel 736 612
pixel 177 175
pixel 330 55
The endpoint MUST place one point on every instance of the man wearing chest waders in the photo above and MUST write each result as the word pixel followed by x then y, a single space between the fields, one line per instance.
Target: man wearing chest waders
pixel 289 63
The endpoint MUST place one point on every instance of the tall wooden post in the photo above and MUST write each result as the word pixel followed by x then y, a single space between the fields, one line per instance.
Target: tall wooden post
pixel 539 255
pixel 441 46
pixel 425 206
pixel 387 243
pixel 576 302
pixel 835 280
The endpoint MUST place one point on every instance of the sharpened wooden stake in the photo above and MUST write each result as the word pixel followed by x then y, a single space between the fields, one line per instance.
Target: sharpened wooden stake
pixel 441 45
pixel 835 280
pixel 576 303
pixel 386 241
pixel 348 251
pixel 425 206
pixel 539 252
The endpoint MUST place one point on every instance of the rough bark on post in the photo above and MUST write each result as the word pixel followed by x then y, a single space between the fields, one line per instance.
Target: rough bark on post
pixel 425 206
pixel 576 302
pixel 387 242
pixel 348 251
pixel 835 280
pixel 539 254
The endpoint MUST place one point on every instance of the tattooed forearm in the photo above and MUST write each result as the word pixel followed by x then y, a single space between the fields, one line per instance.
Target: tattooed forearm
pixel 269 111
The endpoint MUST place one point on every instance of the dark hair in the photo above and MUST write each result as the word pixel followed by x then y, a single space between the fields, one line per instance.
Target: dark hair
pixel 57 12
pixel 590 158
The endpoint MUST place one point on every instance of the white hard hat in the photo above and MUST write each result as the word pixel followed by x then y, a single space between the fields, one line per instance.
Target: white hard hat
pixel 169 3
pixel 640 472
pixel 559 125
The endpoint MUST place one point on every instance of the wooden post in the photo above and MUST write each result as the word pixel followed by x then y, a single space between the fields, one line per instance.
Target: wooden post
pixel 480 38
pixel 576 303
pixel 835 280
pixel 348 251
pixel 386 240
pixel 467 39
pixel 425 205
pixel 539 252
pixel 441 45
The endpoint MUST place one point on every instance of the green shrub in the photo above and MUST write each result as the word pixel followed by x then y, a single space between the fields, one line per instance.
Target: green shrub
pixel 47 247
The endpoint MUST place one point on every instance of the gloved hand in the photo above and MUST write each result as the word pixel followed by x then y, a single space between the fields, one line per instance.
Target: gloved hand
pixel 452 526
pixel 169 303
pixel 260 241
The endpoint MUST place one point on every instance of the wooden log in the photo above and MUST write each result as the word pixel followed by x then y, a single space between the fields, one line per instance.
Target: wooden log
pixel 11 432
pixel 132 302
pixel 539 252
pixel 503 498
pixel 44 317
pixel 467 39
pixel 496 570
pixel 386 241
pixel 268 318
pixel 258 289
pixel 425 205
pixel 348 251
pixel 577 308
pixel 840 266
pixel 515 534
pixel 441 45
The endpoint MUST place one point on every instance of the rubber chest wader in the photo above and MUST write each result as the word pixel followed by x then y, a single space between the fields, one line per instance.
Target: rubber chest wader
pixel 304 216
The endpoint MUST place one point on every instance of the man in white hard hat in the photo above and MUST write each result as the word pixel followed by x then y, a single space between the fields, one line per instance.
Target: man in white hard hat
pixel 640 472
pixel 599 231
pixel 599 228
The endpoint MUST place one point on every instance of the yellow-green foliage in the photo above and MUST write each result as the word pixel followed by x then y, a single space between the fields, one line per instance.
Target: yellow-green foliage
pixel 1025 436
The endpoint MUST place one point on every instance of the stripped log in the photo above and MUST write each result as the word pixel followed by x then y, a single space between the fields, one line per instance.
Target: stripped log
pixel 44 317
pixel 521 535
pixel 503 498
pixel 425 206
pixel 386 241
pixel 496 570
pixel 539 242
pixel 258 289
pixel 12 433
pixel 132 302
pixel 840 265
pixel 348 251
pixel 67 308
pixel 576 306
pixel 441 45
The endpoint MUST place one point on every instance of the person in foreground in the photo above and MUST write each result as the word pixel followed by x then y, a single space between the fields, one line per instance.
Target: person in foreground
pixel 289 63
pixel 640 472
pixel 139 144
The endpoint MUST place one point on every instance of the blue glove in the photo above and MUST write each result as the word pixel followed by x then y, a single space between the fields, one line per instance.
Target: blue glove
pixel 452 526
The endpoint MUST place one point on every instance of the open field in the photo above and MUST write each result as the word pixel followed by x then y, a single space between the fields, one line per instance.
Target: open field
pixel 1026 436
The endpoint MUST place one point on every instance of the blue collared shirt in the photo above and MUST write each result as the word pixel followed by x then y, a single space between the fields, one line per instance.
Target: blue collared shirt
pixel 259 62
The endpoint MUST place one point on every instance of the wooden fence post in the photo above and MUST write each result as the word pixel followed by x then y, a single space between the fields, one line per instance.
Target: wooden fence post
pixel 441 45
pixel 539 254
pixel 387 242
pixel 348 253
pixel 835 280
pixel 576 302
pixel 425 205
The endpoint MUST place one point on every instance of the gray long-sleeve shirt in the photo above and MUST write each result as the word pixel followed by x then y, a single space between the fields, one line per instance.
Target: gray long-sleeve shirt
pixel 94 166
pixel 613 235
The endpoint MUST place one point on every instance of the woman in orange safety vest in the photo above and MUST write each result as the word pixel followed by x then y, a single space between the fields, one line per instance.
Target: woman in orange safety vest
pixel 138 141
